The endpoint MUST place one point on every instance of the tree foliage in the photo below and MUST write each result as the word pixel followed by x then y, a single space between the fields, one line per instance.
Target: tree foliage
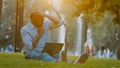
pixel 71 9
pixel 95 11
pixel 95 8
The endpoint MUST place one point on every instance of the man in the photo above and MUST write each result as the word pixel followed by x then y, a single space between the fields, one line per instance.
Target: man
pixel 36 34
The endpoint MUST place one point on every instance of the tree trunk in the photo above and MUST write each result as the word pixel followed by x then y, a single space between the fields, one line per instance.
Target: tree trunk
pixel 0 10
pixel 84 33
pixel 119 30
pixel 118 50
pixel 19 24
pixel 64 53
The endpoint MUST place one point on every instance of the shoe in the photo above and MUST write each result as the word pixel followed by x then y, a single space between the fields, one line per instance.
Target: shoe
pixel 27 57
pixel 82 59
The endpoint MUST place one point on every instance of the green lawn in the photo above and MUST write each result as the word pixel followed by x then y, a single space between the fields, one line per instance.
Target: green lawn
pixel 16 60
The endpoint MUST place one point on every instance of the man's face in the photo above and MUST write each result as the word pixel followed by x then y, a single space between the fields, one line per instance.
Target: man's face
pixel 37 20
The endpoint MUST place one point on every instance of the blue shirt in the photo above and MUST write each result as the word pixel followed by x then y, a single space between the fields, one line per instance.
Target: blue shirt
pixel 29 32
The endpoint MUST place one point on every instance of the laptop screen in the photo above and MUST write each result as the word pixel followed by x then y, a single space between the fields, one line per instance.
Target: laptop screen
pixel 53 48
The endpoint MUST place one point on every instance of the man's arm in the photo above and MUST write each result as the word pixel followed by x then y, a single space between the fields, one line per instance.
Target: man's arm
pixel 53 19
pixel 27 40
pixel 57 22
pixel 37 38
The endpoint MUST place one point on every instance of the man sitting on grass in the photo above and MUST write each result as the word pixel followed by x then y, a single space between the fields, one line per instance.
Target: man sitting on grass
pixel 36 34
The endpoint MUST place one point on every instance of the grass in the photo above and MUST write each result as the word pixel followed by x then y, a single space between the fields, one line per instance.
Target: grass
pixel 16 60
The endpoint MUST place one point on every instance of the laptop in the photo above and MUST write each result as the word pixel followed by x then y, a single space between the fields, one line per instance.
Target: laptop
pixel 53 48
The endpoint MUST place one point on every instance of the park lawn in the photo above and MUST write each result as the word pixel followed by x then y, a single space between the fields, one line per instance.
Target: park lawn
pixel 16 60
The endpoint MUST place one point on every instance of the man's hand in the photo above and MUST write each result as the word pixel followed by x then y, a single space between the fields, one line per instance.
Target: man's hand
pixel 42 13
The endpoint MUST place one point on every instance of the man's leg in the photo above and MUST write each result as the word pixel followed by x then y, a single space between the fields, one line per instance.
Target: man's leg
pixel 31 55
pixel 40 56
pixel 58 57
pixel 34 55
pixel 47 57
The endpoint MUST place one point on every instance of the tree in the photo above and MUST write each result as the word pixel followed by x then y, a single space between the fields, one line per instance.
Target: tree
pixel 0 9
pixel 18 25
pixel 95 11
pixel 7 23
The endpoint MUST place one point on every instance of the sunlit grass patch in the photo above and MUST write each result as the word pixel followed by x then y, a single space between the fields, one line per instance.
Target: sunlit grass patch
pixel 16 60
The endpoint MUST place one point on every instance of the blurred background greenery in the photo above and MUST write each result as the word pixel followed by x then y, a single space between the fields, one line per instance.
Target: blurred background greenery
pixel 94 22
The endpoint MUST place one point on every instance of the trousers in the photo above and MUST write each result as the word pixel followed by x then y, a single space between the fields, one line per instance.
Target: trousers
pixel 42 56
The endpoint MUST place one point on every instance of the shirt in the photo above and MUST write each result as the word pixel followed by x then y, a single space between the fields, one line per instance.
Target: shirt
pixel 29 32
